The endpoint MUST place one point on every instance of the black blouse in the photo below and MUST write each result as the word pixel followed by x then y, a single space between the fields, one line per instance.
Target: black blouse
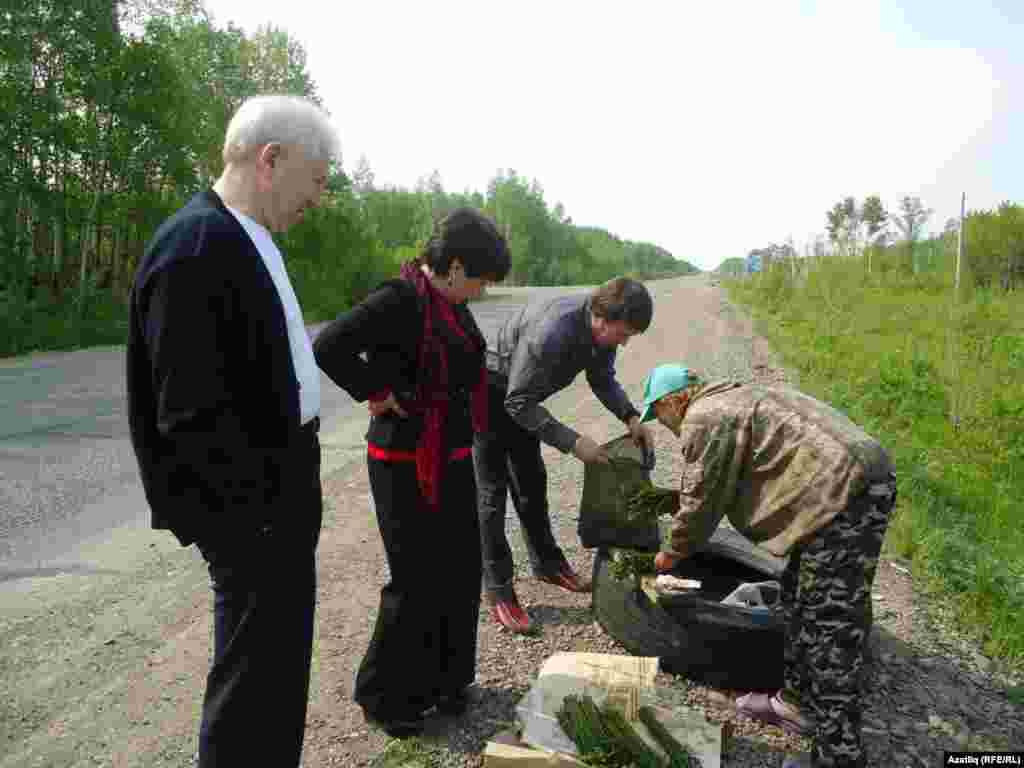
pixel 374 347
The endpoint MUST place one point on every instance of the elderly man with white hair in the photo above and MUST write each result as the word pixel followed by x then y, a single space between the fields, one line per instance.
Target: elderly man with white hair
pixel 224 397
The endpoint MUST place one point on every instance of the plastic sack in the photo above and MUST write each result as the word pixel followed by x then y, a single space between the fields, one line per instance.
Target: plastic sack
pixel 604 518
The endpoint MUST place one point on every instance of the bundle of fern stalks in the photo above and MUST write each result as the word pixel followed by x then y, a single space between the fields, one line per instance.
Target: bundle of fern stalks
pixel 605 739
pixel 650 503
pixel 630 564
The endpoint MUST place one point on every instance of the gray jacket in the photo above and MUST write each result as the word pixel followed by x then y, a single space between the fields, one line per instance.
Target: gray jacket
pixel 539 351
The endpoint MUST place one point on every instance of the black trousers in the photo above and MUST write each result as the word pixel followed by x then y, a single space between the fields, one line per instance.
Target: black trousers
pixel 264 597
pixel 508 461
pixel 424 641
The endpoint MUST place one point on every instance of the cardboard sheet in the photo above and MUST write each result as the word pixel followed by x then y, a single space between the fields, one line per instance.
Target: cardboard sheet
pixel 629 682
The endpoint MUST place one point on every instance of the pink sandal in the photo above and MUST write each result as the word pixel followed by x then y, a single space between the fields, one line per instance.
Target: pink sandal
pixel 759 706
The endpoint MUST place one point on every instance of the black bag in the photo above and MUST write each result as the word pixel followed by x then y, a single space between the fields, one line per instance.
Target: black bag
pixel 604 519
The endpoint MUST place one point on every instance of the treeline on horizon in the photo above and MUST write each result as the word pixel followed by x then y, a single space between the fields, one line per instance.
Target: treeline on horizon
pixel 993 242
pixel 116 112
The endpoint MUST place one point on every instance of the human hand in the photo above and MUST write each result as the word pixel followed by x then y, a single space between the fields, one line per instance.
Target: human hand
pixel 589 452
pixel 642 439
pixel 665 561
pixel 641 434
pixel 380 407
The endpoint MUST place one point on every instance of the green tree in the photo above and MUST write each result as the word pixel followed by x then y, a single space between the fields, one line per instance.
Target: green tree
pixel 362 177
pixel 875 217
pixel 734 265
pixel 876 220
pixel 910 221
pixel 836 222
pixel 995 245
pixel 115 112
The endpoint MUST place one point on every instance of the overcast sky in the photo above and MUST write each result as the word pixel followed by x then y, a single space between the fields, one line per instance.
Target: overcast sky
pixel 709 129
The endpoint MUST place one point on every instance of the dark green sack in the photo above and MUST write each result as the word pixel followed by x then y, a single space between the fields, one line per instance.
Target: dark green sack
pixel 604 518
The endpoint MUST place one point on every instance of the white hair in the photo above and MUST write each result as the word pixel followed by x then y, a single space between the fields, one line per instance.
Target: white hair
pixel 289 120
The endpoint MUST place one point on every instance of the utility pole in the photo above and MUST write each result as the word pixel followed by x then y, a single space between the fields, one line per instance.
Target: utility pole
pixel 956 317
pixel 960 246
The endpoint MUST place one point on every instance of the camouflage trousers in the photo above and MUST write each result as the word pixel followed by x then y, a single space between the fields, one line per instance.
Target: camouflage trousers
pixel 826 592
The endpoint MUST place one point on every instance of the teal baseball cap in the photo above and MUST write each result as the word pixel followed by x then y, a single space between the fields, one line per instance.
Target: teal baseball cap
pixel 664 380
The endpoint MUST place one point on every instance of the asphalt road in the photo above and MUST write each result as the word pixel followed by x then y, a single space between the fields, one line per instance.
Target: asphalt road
pixel 68 475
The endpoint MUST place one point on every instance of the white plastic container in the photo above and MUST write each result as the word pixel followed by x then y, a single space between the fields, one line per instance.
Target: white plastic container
pixel 753 595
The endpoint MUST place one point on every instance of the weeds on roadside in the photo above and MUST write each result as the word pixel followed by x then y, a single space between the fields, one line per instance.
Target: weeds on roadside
pixel 939 383
pixel 631 564
pixel 408 753
pixel 1016 695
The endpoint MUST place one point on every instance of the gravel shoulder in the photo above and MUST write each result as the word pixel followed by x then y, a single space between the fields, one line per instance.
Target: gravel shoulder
pixel 107 669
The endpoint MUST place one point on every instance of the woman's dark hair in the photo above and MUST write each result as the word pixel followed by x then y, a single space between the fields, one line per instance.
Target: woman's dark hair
pixel 623 299
pixel 471 237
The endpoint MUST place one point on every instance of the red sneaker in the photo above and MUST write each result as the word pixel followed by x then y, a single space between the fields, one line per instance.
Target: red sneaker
pixel 567 578
pixel 510 615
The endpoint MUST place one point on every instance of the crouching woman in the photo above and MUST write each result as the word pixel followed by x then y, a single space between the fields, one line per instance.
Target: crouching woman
pixel 800 479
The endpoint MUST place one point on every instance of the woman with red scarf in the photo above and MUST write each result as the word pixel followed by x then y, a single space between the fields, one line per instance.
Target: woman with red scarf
pixel 414 351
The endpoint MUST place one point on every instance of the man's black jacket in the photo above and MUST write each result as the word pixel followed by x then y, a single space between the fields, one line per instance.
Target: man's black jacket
pixel 213 397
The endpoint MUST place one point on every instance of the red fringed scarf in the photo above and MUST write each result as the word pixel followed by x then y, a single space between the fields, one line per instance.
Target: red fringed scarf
pixel 432 392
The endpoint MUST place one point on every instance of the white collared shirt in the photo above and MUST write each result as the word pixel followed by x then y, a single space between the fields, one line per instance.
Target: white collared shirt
pixel 302 349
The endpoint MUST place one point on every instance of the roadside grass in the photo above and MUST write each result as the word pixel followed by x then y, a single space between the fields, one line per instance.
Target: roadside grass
pixel 91 317
pixel 940 385
pixel 409 753
pixel 1016 695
